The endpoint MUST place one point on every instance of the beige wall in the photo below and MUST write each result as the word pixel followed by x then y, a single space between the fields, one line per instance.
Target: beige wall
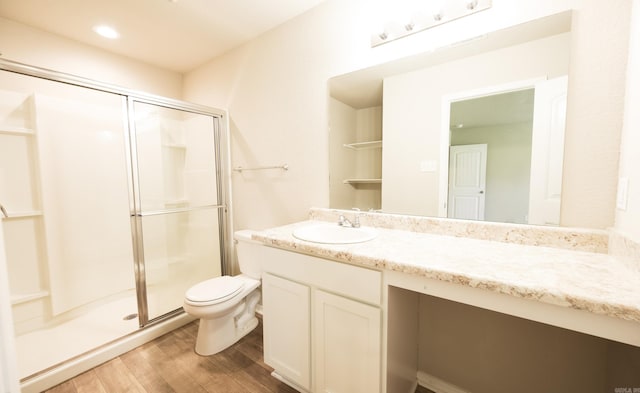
pixel 272 89
pixel 275 89
pixel 594 113
pixel 368 161
pixel 341 166
pixel 349 125
pixel 628 221
pixel 25 44
pixel 488 352
pixel 412 113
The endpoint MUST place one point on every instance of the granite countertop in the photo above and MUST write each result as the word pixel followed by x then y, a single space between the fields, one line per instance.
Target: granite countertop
pixel 594 282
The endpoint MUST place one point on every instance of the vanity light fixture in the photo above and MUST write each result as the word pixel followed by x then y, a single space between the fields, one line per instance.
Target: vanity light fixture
pixel 472 4
pixel 426 17
pixel 437 9
pixel 106 31
pixel 409 26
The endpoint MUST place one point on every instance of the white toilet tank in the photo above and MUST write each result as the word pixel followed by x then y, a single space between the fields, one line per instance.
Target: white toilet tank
pixel 248 251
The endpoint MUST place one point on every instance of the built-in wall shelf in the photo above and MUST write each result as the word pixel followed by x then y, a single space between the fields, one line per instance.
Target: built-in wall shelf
pixel 27 297
pixel 22 214
pixel 11 130
pixel 364 145
pixel 362 181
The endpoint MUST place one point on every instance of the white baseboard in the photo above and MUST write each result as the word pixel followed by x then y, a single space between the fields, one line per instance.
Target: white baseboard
pixel 437 385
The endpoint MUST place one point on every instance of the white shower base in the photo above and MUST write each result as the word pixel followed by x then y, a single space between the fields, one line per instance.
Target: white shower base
pixel 87 339
pixel 47 347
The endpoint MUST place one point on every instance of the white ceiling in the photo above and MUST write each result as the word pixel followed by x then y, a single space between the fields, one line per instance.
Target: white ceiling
pixel 178 35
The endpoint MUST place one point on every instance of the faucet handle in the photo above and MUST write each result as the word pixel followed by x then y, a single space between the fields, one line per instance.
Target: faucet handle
pixel 356 219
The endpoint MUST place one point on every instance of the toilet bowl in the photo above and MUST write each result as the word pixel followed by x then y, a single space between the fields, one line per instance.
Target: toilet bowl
pixel 226 305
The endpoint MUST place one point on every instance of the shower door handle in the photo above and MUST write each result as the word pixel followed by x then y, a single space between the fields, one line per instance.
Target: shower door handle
pixel 178 210
pixel 4 211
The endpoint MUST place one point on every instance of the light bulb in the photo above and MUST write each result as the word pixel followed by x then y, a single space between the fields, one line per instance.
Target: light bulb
pixel 436 8
pixel 106 31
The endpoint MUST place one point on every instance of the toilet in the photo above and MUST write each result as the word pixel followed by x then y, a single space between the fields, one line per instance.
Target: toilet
pixel 226 305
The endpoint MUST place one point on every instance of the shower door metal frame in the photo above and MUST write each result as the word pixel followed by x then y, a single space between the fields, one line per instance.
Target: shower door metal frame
pixel 222 150
pixel 136 204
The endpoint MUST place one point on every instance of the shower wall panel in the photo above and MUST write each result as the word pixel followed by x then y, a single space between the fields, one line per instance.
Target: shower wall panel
pixel 20 196
pixel 63 180
pixel 85 197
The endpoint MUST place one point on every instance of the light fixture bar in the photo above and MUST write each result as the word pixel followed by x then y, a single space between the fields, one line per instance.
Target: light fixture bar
pixel 423 20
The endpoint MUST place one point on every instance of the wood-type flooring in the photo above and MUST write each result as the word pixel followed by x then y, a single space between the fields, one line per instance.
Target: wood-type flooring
pixel 169 364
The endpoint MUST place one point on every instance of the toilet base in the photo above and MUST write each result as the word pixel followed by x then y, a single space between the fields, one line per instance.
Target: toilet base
pixel 218 334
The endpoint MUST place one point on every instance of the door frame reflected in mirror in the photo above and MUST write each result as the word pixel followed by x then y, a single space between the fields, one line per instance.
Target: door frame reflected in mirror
pixel 539 133
pixel 445 127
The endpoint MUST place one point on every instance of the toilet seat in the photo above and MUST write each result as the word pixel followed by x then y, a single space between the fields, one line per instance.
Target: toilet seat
pixel 214 291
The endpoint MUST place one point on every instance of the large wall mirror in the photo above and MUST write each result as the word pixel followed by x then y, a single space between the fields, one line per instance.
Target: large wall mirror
pixel 471 131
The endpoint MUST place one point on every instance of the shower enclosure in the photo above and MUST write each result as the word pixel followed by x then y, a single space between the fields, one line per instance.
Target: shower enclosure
pixel 113 204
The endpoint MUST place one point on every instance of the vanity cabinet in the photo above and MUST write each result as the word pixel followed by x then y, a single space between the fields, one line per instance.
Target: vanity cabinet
pixel 287 328
pixel 347 345
pixel 322 322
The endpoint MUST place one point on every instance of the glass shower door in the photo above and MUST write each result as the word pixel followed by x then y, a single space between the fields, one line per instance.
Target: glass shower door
pixel 177 209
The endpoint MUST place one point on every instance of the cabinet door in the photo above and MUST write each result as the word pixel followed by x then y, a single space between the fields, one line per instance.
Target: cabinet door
pixel 287 328
pixel 347 345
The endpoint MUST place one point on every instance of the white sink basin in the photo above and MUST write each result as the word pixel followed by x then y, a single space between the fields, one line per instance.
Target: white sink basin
pixel 334 234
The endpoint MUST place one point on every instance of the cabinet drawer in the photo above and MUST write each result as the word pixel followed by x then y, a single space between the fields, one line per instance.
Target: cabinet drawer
pixel 352 281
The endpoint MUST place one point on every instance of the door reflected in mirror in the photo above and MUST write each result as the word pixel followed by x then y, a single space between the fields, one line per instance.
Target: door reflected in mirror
pixel 494 173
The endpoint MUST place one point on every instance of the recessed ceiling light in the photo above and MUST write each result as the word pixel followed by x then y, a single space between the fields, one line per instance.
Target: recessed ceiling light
pixel 106 31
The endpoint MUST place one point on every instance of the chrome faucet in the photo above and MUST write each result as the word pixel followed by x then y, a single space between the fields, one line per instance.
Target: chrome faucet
pixel 345 222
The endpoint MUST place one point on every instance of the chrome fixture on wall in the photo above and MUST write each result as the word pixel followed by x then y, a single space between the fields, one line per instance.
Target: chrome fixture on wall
pixel 284 167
